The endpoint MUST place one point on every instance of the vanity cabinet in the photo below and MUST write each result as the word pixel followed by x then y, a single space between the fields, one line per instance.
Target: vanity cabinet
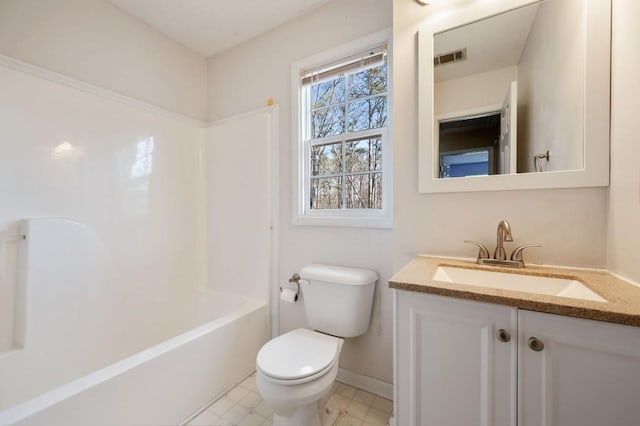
pixel 460 362
pixel 588 372
pixel 451 369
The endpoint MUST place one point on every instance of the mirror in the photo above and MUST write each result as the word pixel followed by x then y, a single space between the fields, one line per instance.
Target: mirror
pixel 515 97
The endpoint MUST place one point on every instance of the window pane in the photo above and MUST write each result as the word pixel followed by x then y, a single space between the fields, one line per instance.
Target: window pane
pixel 327 122
pixel 364 114
pixel 363 155
pixel 326 193
pixel 326 159
pixel 364 191
pixel 368 82
pixel 327 93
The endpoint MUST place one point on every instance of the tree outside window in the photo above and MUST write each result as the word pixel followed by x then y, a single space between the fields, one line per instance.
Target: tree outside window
pixel 346 115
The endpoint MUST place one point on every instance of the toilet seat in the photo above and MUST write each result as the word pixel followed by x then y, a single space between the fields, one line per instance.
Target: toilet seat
pixel 292 382
pixel 297 357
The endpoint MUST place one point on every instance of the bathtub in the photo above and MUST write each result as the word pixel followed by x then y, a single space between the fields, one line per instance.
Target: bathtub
pixel 210 343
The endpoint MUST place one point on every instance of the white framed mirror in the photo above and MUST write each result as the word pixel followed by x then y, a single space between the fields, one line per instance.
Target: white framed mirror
pixel 515 94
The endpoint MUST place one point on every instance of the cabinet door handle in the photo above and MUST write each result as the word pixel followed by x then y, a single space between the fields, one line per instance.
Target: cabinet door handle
pixel 503 335
pixel 535 344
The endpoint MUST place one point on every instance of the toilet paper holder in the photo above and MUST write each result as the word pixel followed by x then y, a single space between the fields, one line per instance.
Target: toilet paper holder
pixel 295 278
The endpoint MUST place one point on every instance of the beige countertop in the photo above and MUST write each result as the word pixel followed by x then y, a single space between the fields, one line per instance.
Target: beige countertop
pixel 622 306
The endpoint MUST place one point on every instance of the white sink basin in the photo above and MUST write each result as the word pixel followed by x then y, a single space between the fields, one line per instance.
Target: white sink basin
pixel 563 287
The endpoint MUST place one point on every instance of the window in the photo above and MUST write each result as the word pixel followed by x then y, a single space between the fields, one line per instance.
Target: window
pixel 342 143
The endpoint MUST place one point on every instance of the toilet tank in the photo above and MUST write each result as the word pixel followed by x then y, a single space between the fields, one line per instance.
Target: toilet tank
pixel 338 300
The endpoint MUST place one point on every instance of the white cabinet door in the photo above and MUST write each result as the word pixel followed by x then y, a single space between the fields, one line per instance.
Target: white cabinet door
pixel 587 374
pixel 451 369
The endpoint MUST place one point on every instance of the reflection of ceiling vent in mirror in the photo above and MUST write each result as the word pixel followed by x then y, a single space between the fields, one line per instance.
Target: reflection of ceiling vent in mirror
pixel 450 57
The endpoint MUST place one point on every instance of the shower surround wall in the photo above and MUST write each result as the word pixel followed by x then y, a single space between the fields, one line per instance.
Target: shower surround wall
pixel 239 221
pixel 76 155
pixel 120 188
pixel 126 174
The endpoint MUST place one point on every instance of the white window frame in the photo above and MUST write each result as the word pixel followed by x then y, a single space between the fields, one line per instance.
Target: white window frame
pixel 361 218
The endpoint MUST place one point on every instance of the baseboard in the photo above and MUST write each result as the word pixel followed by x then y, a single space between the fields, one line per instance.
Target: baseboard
pixel 366 383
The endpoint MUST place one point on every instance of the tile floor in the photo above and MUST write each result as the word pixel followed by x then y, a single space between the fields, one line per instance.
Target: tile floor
pixel 243 406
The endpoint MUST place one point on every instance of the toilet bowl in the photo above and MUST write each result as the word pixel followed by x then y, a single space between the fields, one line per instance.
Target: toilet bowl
pixel 295 372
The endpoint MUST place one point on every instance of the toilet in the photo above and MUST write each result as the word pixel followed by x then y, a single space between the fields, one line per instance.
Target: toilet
pixel 295 372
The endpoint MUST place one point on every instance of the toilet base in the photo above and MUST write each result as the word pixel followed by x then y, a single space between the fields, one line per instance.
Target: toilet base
pixel 310 415
pixel 330 413
pixel 307 414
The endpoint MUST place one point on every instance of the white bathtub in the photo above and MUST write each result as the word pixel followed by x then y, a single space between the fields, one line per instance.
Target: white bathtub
pixel 214 342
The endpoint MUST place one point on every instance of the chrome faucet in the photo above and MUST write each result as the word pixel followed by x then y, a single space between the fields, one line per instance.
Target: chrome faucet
pixel 503 234
pixel 500 255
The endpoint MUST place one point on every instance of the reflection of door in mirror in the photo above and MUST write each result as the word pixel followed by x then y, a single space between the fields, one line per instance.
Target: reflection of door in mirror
pixel 467 144
pixel 536 55
pixel 474 162
pixel 508 131
pixel 467 141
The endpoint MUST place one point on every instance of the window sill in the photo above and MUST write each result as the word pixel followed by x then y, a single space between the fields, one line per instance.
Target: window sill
pixel 375 222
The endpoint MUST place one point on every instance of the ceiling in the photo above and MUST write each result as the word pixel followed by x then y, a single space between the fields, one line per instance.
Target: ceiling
pixel 211 26
pixel 491 43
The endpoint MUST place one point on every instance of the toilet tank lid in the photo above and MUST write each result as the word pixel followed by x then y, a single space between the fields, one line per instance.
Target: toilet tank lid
pixel 338 274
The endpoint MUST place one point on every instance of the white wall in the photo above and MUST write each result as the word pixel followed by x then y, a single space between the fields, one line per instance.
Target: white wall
pixel 551 88
pixel 624 193
pixel 242 79
pixel 474 91
pixel 569 224
pixel 93 41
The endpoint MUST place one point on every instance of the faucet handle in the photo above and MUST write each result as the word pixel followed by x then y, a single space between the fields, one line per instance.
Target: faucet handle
pixel 517 253
pixel 483 252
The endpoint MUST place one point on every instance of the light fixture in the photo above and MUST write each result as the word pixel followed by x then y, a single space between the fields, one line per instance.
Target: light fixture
pixel 424 2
